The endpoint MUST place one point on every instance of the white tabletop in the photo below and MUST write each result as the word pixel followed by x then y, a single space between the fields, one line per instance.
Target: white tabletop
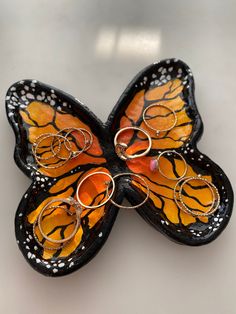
pixel 92 49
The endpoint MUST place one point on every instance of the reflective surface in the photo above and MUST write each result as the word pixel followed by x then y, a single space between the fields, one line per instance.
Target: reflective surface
pixel 82 47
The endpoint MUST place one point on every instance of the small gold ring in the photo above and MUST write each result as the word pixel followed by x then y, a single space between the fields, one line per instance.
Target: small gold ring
pixel 158 131
pixel 67 143
pixel 78 211
pixel 46 247
pixel 120 148
pixel 87 142
pixel 40 138
pixel 176 196
pixel 109 196
pixel 155 164
pixel 145 183
pixel 53 166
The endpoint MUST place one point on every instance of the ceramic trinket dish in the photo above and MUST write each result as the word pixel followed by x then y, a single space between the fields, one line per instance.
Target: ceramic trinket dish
pixel 34 108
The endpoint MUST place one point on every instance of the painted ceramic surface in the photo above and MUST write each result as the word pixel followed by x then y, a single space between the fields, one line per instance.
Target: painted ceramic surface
pixel 34 108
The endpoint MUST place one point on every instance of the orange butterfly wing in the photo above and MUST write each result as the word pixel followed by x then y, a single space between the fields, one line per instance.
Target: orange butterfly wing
pixel 170 83
pixel 34 109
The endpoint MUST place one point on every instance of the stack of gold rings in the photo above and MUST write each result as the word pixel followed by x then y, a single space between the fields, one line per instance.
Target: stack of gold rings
pixel 50 207
pixel 60 148
pixel 178 196
pixel 182 181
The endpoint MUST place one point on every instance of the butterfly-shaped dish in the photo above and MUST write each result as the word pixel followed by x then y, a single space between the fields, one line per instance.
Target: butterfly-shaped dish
pixel 34 108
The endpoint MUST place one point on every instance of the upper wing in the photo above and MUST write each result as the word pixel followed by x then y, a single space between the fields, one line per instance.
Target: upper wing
pixel 170 83
pixel 34 109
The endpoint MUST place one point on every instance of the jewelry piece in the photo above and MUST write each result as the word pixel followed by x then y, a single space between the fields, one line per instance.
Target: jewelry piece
pixel 112 181
pixel 158 131
pixel 176 196
pixel 155 164
pixel 61 139
pixel 181 204
pixel 120 148
pixel 214 192
pixel 42 244
pixel 35 148
pixel 88 141
pixel 72 202
pixel 145 183
pixel 107 183
pixel 40 139
pixel 74 153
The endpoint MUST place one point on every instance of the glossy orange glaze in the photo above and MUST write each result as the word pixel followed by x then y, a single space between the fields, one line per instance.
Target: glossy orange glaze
pixel 39 119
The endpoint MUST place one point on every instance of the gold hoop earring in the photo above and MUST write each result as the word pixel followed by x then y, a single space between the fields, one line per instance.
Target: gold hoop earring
pixel 145 183
pixel 181 204
pixel 88 176
pixel 158 131
pixel 78 210
pixel 155 164
pixel 120 148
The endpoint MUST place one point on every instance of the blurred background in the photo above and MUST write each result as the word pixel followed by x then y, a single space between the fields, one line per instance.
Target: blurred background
pixel 92 49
